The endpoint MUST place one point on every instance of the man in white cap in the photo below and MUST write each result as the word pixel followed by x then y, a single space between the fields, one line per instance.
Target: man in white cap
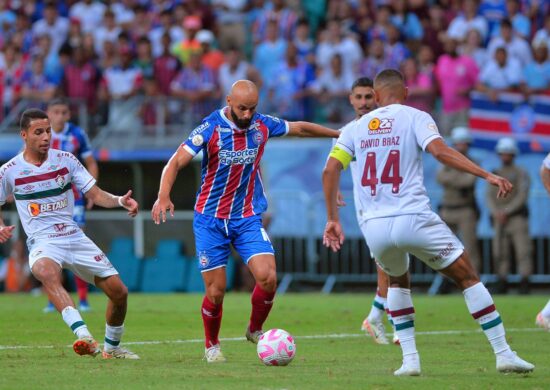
pixel 458 206
pixel 510 219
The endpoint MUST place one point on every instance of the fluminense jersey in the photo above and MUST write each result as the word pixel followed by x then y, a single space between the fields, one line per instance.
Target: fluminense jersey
pixel 231 181
pixel 388 144
pixel 43 194
pixel 72 139
pixel 546 161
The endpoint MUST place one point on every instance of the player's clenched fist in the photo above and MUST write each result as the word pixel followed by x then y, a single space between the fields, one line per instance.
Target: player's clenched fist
pixel 6 233
pixel 159 209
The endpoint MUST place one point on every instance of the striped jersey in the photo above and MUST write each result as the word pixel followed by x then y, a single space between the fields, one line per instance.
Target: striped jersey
pixel 231 181
pixel 42 194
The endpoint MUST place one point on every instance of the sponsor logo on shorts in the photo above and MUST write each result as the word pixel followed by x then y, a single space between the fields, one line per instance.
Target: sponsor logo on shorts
pixel 60 227
pixel 443 253
pixel 36 253
pixel 35 209
pixel 99 257
pixel 380 126
pixel 203 259
pixel 64 234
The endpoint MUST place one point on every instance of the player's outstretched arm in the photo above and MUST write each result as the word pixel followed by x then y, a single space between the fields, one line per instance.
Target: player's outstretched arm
pixel 178 160
pixel 545 177
pixel 333 236
pixel 454 159
pixel 308 129
pixel 5 231
pixel 110 201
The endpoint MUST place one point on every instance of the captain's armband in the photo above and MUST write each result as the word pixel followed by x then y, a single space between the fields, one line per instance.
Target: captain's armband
pixel 341 156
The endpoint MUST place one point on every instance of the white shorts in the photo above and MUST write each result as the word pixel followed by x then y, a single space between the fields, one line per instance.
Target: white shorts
pixel 424 235
pixel 77 254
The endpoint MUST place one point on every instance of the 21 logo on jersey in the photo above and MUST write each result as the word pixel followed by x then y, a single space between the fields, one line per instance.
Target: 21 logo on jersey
pixel 380 126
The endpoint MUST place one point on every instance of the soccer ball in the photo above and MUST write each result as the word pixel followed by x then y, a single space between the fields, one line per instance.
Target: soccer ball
pixel 276 347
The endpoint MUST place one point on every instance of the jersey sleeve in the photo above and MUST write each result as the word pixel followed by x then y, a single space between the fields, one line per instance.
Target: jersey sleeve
pixel 198 138
pixel 425 129
pixel 85 145
pixel 83 180
pixel 5 188
pixel 277 127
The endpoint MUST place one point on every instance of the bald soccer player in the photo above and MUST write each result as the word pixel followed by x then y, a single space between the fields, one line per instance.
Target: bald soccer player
pixel 398 220
pixel 230 203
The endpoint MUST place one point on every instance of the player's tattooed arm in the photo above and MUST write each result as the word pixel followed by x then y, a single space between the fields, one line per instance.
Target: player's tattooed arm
pixel 308 129
pixel 5 231
pixel 110 201
pixel 179 160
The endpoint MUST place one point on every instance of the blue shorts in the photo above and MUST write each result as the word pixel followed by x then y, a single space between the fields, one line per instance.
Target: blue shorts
pixel 213 236
pixel 79 211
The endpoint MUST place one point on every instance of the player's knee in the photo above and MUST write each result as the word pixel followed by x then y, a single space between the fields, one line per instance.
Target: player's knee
pixel 269 281
pixel 46 275
pixel 120 294
pixel 215 294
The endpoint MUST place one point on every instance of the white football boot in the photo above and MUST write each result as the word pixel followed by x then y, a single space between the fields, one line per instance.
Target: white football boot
pixel 376 330
pixel 513 363
pixel 119 353
pixel 253 337
pixel 543 322
pixel 214 354
pixel 410 367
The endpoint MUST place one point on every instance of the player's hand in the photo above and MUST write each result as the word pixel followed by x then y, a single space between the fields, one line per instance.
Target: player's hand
pixel 504 186
pixel 333 237
pixel 129 204
pixel 6 233
pixel 340 202
pixel 89 204
pixel 159 209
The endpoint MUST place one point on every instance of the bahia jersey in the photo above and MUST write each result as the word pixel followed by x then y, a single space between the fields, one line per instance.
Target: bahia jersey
pixel 43 194
pixel 231 182
pixel 73 139
pixel 388 144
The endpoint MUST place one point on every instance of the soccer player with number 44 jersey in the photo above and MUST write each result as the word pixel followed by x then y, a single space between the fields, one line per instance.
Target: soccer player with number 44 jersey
pixel 388 144
pixel 230 203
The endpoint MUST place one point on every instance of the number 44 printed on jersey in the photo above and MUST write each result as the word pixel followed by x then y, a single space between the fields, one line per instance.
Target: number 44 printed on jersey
pixel 390 172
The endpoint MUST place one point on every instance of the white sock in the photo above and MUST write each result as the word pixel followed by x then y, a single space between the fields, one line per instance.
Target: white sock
pixel 113 334
pixel 546 311
pixel 72 318
pixel 377 309
pixel 388 314
pixel 402 313
pixel 481 307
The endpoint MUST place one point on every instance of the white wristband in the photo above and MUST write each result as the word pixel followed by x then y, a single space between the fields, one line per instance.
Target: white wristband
pixel 120 201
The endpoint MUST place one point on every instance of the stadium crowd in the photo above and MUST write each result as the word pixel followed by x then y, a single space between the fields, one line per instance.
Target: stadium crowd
pixel 299 52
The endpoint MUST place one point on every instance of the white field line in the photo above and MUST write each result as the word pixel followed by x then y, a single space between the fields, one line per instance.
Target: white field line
pixel 306 337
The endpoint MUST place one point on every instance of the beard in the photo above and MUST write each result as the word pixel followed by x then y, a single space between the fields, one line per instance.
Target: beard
pixel 241 123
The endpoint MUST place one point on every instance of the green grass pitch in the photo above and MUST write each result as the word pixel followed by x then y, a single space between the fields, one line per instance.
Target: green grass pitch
pixel 340 357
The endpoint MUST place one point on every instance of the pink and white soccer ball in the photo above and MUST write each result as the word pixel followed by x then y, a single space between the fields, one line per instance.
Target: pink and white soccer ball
pixel 276 347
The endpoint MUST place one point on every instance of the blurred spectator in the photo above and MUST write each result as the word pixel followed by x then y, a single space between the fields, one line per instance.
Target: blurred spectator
pixel 211 57
pixel 197 84
pixel 231 22
pixel 543 35
pixel 333 41
pixel 342 11
pixel 516 47
pixel 166 67
pixel 189 45
pixel 142 24
pixel 425 59
pixel 15 271
pixel 81 79
pixel 89 13
pixel 536 75
pixel 234 69
pixel 149 111
pixel 285 19
pixel 456 76
pixel 332 90
pixel 396 51
pixel 510 219
pixel 144 58
pixel 22 33
pixel 124 15
pixel 167 25
pixel 435 29
pixel 520 22
pixel 34 84
pixel 74 37
pixel 473 48
pixel 494 11
pixel 270 54
pixel 107 31
pixel 304 44
pixel 202 10
pixel 289 86
pixel 376 59
pixel 499 74
pixel 12 72
pixel 52 61
pixel 7 18
pixel 420 86
pixel 407 22
pixel 53 25
pixel 467 20
pixel 382 22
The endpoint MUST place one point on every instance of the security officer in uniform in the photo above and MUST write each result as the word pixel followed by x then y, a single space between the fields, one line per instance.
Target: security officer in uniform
pixel 458 207
pixel 510 219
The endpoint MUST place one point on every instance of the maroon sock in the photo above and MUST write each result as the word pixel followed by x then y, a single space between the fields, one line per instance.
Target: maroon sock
pixel 81 288
pixel 212 320
pixel 262 301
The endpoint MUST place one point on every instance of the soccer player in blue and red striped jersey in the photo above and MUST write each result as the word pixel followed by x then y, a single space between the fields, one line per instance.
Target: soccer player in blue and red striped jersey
pixel 71 138
pixel 230 203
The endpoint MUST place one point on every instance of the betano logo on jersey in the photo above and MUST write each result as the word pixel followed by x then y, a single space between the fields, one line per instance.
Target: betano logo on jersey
pixel 380 126
pixel 35 209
